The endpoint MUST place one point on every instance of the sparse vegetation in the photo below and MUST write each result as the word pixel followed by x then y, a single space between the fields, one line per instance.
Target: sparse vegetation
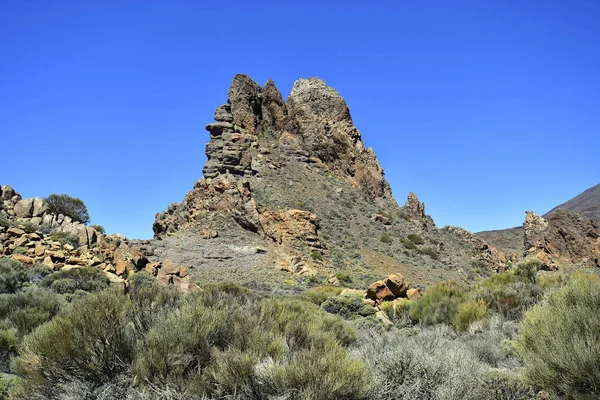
pixel 65 238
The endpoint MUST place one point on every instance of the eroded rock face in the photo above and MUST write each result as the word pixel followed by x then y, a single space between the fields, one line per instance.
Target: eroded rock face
pixel 415 210
pixel 565 238
pixel 294 230
pixel 314 126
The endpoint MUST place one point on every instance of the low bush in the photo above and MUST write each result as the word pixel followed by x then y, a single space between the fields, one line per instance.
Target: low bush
pixel 4 222
pixel 38 272
pixel 20 250
pixel 347 306
pixel 416 239
pixel 26 310
pixel 88 279
pixel 507 293
pixel 439 304
pixel 319 294
pixel 65 238
pixel 12 275
pixel 29 227
pixel 528 269
pixel 90 342
pixel 559 340
pixel 427 365
pixel 385 238
pixel 469 312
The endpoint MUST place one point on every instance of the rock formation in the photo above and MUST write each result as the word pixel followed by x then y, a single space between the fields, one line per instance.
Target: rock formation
pixel 566 238
pixel 294 179
pixel 29 233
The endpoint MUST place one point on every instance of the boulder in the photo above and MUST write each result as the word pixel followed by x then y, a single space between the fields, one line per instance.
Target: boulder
pixel 23 259
pixel 414 294
pixel 39 207
pixel 7 192
pixel 379 292
pixel 24 208
pixel 396 284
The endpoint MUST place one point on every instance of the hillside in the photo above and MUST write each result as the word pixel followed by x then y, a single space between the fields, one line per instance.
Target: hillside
pixel 290 193
pixel 586 204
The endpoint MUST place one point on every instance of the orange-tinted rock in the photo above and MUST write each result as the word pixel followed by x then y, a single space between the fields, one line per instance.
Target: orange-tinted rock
pixel 396 284
pixel 23 259
pixel 414 294
pixel 379 292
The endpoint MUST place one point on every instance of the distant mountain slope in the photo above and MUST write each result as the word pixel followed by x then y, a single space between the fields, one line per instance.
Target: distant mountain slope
pixel 510 240
pixel 587 204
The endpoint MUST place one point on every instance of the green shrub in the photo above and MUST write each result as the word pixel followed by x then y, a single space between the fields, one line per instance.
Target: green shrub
pixel 319 294
pixel 506 293
pixel 330 374
pixel 29 227
pixel 88 279
pixel 12 275
pixel 316 255
pixel 90 342
pixel 4 222
pixel 38 272
pixel 65 238
pixel 68 206
pixel 416 239
pixel 559 340
pixel 431 252
pixel 528 269
pixel 343 277
pixel 99 228
pixel 28 309
pixel 409 244
pixel 503 385
pixel 469 312
pixel 347 306
pixel 425 365
pixel 20 250
pixel 439 304
pixel 385 238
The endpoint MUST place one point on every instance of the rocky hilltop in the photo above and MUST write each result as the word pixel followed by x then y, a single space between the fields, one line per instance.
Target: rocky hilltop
pixel 31 234
pixel 290 190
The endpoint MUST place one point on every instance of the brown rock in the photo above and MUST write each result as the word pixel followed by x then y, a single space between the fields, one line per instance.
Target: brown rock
pixel 396 284
pixel 34 236
pixel 15 232
pixel 39 250
pixel 48 262
pixel 24 208
pixel 23 259
pixel 414 294
pixel 379 292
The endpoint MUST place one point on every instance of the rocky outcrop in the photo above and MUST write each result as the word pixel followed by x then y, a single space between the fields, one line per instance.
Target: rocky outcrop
pixel 391 288
pixel 202 208
pixel 35 211
pixel 414 210
pixel 564 238
pixel 314 126
pixel 481 253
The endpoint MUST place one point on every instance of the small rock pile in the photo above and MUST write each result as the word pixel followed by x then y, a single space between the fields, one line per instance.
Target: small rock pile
pixel 390 289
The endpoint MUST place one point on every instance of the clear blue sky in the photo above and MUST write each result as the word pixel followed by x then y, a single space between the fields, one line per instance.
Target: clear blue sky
pixel 485 109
